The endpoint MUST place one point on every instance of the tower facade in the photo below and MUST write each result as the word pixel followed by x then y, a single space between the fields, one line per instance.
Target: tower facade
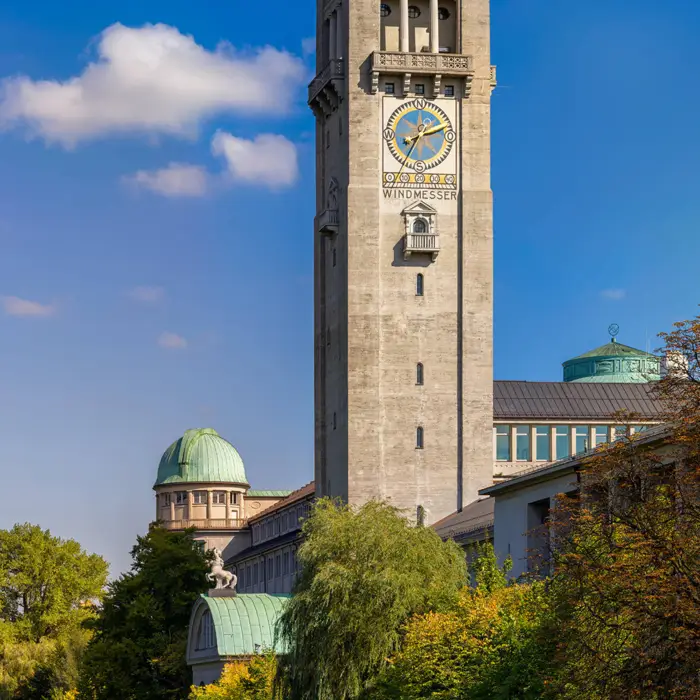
pixel 403 252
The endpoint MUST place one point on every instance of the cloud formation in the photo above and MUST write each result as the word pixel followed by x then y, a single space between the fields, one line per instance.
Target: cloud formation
pixel 176 180
pixel 269 159
pixel 14 306
pixel 308 46
pixel 151 80
pixel 147 295
pixel 172 341
pixel 614 294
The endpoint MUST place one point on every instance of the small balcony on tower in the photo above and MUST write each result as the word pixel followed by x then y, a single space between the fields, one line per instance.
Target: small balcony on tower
pixel 421 236
pixel 325 90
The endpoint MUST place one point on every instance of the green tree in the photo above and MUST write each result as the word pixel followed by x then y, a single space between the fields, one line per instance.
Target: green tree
pixel 364 572
pixel 496 643
pixel 48 587
pixel 138 650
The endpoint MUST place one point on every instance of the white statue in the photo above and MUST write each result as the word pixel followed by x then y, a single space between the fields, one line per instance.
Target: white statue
pixel 223 578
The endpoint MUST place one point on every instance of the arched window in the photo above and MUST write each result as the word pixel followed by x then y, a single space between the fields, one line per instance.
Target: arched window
pixel 206 638
pixel 419 373
pixel 419 285
pixel 420 226
pixel 419 438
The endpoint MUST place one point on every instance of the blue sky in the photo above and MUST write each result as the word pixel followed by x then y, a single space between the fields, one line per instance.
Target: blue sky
pixel 156 272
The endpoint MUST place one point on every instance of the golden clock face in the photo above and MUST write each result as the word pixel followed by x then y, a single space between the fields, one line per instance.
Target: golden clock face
pixel 419 135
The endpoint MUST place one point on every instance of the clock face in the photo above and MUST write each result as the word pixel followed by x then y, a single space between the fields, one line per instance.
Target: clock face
pixel 419 135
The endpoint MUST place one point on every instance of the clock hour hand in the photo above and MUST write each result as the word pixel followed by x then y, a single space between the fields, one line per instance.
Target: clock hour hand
pixel 408 155
pixel 426 132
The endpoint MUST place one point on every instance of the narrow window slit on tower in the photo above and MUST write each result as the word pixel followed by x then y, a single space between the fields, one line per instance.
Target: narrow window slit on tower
pixel 419 285
pixel 335 421
pixel 419 374
pixel 419 438
pixel 334 257
pixel 389 88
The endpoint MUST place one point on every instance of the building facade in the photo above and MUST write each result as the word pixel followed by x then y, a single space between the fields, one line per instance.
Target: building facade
pixel 403 259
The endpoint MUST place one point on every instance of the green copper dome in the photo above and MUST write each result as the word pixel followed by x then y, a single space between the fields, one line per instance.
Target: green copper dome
pixel 613 362
pixel 201 455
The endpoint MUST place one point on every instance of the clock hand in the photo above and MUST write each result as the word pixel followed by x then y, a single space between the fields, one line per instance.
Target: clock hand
pixel 408 155
pixel 426 132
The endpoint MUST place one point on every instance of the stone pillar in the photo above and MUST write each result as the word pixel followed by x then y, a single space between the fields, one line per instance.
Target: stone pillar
pixel 190 503
pixel 338 34
pixel 434 31
pixel 157 506
pixel 172 506
pixel 210 500
pixel 332 37
pixel 403 26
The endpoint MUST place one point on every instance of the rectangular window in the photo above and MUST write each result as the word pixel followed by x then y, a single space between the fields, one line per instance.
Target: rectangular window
pixel 389 88
pixel 542 443
pixel 277 566
pixel 420 89
pixel 449 90
pixel 255 574
pixel 269 569
pixel 277 526
pixel 199 497
pixel 181 497
pixel 600 435
pixel 561 441
pixel 234 498
pixel 167 499
pixel 503 443
pixel 220 497
pixel 619 432
pixel 580 439
pixel 522 443
pixel 639 429
pixel 285 563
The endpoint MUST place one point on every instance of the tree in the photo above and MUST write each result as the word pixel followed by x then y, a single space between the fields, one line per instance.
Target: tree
pixel 364 572
pixel 251 680
pixel 48 587
pixel 628 567
pixel 496 643
pixel 138 650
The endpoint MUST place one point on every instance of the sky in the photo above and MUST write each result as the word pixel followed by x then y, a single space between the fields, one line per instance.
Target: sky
pixel 156 209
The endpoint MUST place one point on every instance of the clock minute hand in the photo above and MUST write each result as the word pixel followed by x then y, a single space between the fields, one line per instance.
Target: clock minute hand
pixel 426 132
pixel 408 155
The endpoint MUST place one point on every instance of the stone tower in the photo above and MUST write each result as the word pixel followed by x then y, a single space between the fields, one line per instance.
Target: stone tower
pixel 403 255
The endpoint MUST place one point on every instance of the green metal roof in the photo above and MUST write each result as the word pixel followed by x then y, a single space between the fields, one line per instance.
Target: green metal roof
pixel 268 494
pixel 613 363
pixel 245 623
pixel 201 455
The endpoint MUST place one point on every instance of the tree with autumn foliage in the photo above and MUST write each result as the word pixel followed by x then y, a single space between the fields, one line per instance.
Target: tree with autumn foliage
pixel 497 643
pixel 243 680
pixel 627 581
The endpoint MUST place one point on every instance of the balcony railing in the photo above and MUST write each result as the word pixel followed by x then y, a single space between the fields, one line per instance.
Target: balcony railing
pixel 324 90
pixel 446 64
pixel 328 221
pixel 206 524
pixel 421 243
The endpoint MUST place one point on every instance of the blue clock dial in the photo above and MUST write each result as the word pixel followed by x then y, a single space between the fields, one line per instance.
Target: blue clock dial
pixel 419 135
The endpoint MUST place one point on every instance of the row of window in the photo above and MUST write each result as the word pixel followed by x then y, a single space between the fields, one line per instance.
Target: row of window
pixel 543 443
pixel 413 11
pixel 269 569
pixel 200 497
pixel 419 89
pixel 286 521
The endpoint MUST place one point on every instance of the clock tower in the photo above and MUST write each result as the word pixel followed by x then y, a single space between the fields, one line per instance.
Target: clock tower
pixel 403 258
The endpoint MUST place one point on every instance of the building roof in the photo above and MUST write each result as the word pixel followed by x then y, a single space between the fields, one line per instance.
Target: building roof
pixel 244 623
pixel 515 400
pixel 613 362
pixel 474 518
pixel 267 494
pixel 294 496
pixel 201 455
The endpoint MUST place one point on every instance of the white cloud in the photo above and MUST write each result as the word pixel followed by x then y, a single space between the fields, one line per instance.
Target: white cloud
pixel 268 159
pixel 308 46
pixel 153 80
pixel 172 341
pixel 177 180
pixel 14 306
pixel 147 295
pixel 614 294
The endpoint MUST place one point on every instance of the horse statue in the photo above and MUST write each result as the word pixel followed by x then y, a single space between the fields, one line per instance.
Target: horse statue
pixel 223 578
